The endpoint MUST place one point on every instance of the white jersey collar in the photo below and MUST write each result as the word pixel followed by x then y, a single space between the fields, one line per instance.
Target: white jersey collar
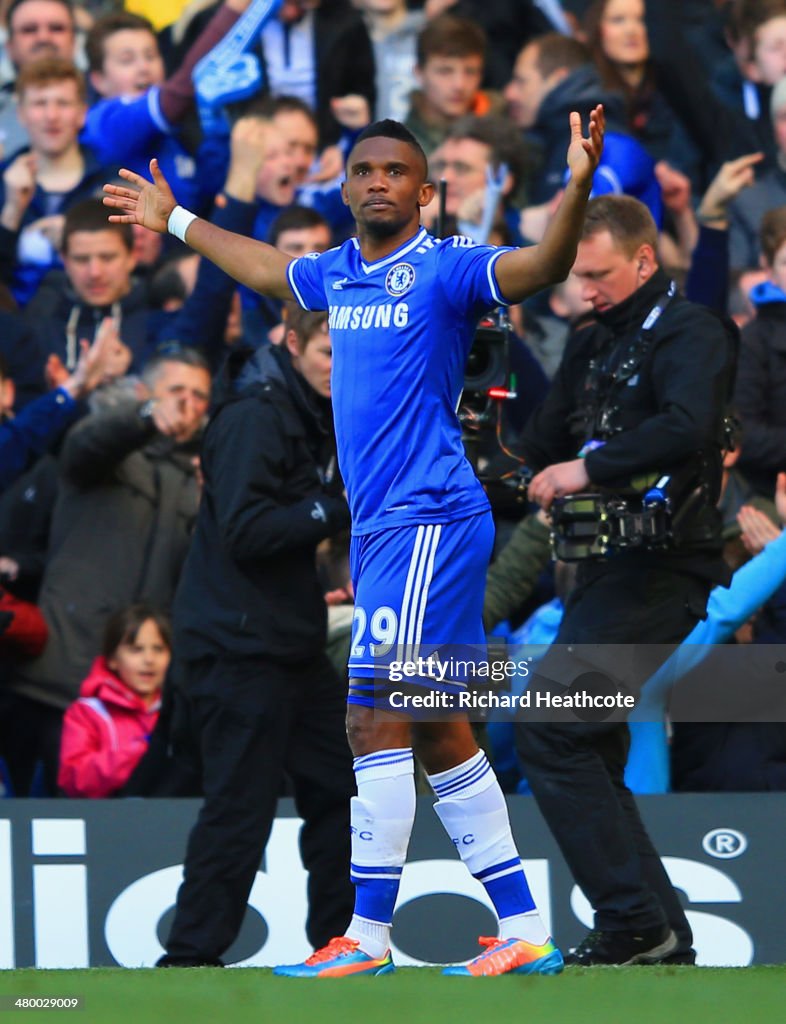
pixel 407 247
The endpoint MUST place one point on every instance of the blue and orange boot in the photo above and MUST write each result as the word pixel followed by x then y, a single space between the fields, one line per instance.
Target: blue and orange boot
pixel 511 956
pixel 341 958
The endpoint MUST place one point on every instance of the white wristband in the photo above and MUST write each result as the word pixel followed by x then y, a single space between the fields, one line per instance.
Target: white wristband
pixel 179 222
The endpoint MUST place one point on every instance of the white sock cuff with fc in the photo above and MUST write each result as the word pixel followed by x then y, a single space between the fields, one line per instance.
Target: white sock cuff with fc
pixel 473 811
pixel 383 812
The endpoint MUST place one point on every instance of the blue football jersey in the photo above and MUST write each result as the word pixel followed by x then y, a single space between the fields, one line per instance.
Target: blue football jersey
pixel 401 329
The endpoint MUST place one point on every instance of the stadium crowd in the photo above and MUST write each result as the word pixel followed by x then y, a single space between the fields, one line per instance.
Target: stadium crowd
pixel 117 343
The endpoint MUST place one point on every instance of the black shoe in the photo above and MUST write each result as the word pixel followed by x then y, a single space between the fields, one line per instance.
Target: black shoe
pixel 185 961
pixel 647 946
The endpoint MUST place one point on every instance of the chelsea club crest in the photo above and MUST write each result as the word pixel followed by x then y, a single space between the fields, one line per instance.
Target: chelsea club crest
pixel 399 279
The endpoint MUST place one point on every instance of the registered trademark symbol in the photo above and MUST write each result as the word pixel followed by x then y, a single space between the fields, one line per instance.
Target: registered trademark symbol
pixel 724 843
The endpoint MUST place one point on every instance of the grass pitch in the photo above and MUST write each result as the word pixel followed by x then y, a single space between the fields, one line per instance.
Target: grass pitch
pixel 606 995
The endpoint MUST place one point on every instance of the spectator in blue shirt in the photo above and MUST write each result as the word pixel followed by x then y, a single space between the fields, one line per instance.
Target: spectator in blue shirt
pixel 139 113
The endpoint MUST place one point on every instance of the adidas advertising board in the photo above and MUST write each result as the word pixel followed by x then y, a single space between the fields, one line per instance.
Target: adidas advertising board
pixel 93 883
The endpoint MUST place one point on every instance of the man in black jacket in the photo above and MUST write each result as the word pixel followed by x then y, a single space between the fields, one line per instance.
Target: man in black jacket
pixel 640 391
pixel 250 627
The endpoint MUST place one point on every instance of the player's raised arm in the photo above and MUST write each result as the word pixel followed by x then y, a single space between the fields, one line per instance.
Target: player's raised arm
pixel 525 271
pixel 151 204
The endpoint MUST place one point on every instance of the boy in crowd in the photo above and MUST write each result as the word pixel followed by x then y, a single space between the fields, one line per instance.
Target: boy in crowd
pixel 139 112
pixel 450 61
pixel 41 182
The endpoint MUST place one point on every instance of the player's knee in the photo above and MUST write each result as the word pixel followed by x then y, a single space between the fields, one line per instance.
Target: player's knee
pixel 369 731
pixel 434 753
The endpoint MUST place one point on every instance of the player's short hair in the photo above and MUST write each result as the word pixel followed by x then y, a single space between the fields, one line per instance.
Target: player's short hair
pixel 627 220
pixel 14 6
pixel 450 36
pixel 91 215
pixel 505 146
pixel 772 232
pixel 745 17
pixel 555 52
pixel 103 28
pixel 305 323
pixel 295 218
pixel 5 373
pixel 389 129
pixel 49 70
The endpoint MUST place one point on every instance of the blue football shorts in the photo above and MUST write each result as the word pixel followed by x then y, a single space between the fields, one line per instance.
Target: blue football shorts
pixel 418 595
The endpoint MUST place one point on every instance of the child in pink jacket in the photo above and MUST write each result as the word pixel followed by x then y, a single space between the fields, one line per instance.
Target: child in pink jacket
pixel 106 731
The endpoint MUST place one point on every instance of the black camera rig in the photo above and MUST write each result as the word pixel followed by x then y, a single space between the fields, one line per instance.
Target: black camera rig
pixel 598 524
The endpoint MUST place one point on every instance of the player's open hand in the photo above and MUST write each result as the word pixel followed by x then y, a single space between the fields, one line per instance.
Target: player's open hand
pixel 584 153
pixel 145 202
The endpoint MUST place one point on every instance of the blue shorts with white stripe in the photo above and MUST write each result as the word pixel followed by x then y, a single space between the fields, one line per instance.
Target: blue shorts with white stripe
pixel 418 593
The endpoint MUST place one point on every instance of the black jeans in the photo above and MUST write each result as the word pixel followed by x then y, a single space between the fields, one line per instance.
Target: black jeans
pixel 576 769
pixel 255 720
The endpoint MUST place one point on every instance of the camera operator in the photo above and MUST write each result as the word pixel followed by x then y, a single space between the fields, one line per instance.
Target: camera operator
pixel 640 391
